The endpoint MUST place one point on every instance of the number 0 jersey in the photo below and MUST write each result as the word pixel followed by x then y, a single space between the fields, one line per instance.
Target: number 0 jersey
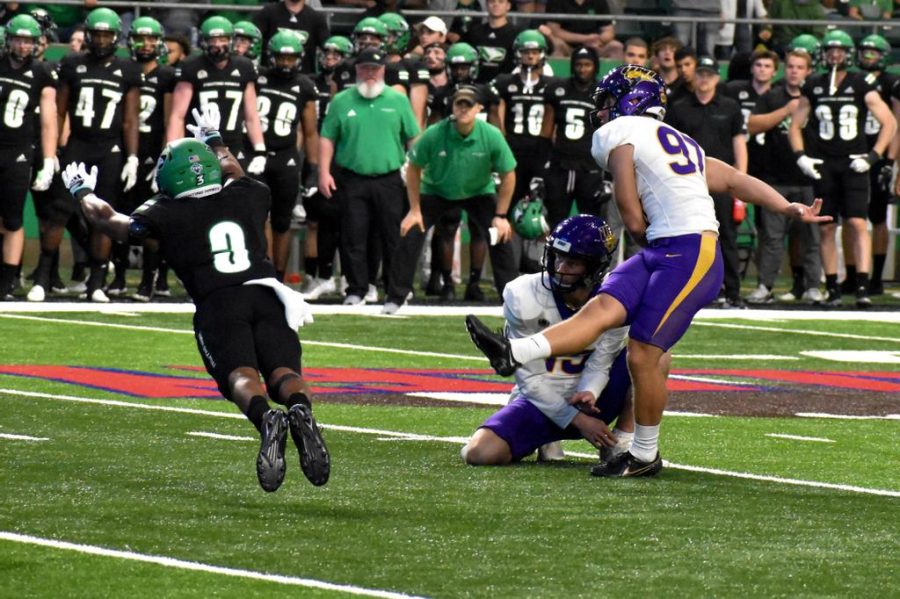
pixel 529 307
pixel 670 168
pixel 97 95
pixel 20 97
pixel 838 120
pixel 213 242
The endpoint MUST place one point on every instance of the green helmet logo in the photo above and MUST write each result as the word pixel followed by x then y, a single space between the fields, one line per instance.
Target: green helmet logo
pixel 141 28
pixel 24 26
pixel 529 218
pixel 398 32
pixel 837 39
pixel 873 43
pixel 285 43
pixel 462 54
pixel 530 39
pixel 369 26
pixel 99 20
pixel 188 168
pixel 248 30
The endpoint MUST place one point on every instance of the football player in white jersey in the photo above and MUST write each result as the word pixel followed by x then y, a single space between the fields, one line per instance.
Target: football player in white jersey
pixel 662 181
pixel 566 397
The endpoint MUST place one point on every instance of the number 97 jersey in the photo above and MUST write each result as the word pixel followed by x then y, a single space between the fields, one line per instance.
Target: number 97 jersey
pixel 670 169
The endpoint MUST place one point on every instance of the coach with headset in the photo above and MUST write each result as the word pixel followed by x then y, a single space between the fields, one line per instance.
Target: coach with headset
pixel 450 170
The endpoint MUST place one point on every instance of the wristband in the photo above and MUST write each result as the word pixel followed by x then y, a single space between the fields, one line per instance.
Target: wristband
pixel 873 157
pixel 799 154
pixel 259 149
pixel 498 215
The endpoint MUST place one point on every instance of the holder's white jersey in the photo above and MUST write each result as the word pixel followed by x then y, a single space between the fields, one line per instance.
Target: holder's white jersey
pixel 529 308
pixel 671 175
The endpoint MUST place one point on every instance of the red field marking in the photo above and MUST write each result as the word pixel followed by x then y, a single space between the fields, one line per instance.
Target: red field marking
pixel 375 380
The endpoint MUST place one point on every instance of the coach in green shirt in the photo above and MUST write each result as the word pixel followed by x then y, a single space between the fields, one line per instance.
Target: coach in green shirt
pixel 365 134
pixel 450 170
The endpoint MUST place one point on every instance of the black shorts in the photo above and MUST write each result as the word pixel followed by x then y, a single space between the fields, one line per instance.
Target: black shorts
pixel 244 326
pixel 107 157
pixel 15 172
pixel 844 192
pixel 282 175
pixel 563 185
pixel 881 197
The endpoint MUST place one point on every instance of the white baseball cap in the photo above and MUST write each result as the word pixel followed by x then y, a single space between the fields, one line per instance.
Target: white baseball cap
pixel 435 24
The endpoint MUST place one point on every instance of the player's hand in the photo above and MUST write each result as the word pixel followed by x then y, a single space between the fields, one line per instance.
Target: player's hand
pixel 584 401
pixel 808 214
pixel 861 163
pixel 208 121
pixel 44 177
pixel 504 230
pixel 808 166
pixel 326 184
pixel 151 178
pixel 129 173
pixel 412 219
pixel 257 165
pixel 311 181
pixel 77 178
pixel 594 430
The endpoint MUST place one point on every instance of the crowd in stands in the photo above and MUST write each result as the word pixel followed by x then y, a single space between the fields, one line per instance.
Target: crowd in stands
pixel 273 73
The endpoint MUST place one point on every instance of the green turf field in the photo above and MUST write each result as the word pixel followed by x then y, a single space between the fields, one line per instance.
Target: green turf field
pixel 111 500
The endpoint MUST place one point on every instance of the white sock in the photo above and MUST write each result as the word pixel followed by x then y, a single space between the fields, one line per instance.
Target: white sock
pixel 646 442
pixel 535 347
pixel 623 438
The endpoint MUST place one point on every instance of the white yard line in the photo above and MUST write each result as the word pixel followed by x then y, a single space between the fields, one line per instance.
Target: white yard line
pixel 171 562
pixel 766 357
pixel 845 416
pixel 746 327
pixel 220 437
pixel 13 437
pixel 799 438
pixel 443 439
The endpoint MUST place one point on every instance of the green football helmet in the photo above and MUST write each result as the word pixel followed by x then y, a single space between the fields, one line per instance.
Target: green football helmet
pixel 874 43
pixel 146 27
pixel 102 19
pixel 336 43
pixel 285 43
pixel 45 20
pixel 398 33
pixel 837 38
pixel 250 31
pixel 188 168
pixel 369 26
pixel 528 218
pixel 530 39
pixel 215 27
pixel 808 43
pixel 462 54
pixel 22 26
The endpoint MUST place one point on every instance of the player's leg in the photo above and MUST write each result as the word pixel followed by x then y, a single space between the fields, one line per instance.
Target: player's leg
pixel 880 239
pixel 406 253
pixel 284 180
pixel 855 212
pixel 486 448
pixel 558 183
pixel 12 209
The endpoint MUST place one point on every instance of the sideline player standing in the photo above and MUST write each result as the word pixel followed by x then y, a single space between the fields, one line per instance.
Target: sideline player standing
pixel 663 193
pixel 211 231
pixel 568 397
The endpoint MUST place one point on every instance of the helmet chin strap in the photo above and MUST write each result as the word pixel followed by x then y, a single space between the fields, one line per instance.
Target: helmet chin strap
pixel 832 83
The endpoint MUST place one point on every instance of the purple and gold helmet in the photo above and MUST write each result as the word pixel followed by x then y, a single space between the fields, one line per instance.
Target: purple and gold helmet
pixel 630 90
pixel 585 237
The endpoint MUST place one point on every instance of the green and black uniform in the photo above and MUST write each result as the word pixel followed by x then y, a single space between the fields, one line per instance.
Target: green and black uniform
pixel 456 176
pixel 369 137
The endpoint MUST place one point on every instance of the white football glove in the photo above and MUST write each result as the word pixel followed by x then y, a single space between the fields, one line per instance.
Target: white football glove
pixel 208 120
pixel 76 177
pixel 257 166
pixel 151 178
pixel 808 166
pixel 861 163
pixel 129 173
pixel 44 177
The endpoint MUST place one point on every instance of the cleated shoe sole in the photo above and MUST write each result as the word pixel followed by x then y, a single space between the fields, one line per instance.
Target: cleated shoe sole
pixel 314 459
pixel 494 346
pixel 270 466
pixel 626 465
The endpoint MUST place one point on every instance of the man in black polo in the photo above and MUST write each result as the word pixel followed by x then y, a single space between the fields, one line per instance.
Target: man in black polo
pixel 297 16
pixel 716 123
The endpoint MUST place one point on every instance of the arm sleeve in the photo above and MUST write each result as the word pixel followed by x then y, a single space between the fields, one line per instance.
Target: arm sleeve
pixel 596 370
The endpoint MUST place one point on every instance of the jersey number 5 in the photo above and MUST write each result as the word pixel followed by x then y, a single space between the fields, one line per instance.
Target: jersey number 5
pixel 676 144
pixel 228 247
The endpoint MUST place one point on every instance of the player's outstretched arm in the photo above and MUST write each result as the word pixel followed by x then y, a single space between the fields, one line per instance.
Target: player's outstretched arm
pixel 723 178
pixel 81 183
pixel 206 129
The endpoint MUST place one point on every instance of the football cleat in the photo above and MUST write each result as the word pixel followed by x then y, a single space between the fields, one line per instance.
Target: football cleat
pixel 270 465
pixel 144 292
pixel 862 298
pixel 371 295
pixel 760 295
pixel 314 459
pixel 474 293
pixel 117 287
pixel 493 345
pixel 813 296
pixel 626 465
pixel 319 287
pixel 833 298
pixel 36 294
pixel 162 287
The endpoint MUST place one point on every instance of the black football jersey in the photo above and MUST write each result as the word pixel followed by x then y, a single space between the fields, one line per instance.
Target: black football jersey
pixel 779 162
pixel 746 95
pixel 494 47
pixel 838 119
pixel 888 86
pixel 152 127
pixel 524 110
pixel 97 92
pixel 323 92
pixel 571 107
pixel 223 87
pixel 280 102
pixel 20 97
pixel 213 242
